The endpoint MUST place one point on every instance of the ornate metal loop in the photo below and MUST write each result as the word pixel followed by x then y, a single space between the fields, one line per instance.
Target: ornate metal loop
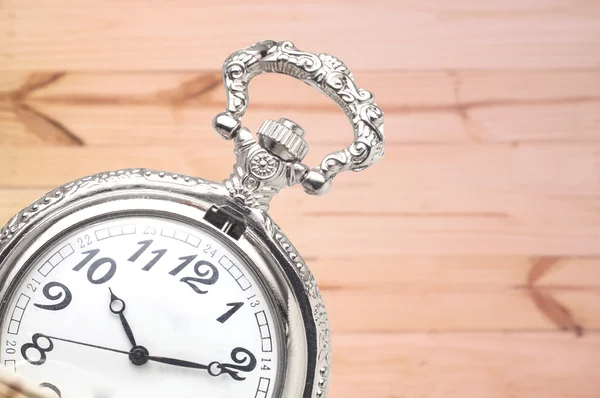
pixel 325 73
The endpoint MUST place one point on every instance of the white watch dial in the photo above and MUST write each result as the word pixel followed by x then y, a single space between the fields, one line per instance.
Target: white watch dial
pixel 142 307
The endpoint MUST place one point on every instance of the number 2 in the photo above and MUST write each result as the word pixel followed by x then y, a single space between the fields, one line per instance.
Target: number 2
pixel 84 241
pixel 208 251
pixel 208 277
pixel 10 350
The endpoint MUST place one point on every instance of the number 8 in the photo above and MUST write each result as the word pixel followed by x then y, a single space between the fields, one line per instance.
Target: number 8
pixel 41 350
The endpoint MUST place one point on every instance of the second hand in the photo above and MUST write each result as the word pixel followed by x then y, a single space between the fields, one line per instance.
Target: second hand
pixel 86 344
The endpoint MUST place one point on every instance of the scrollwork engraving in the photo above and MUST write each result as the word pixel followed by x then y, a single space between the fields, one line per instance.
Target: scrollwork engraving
pixel 330 76
pixel 57 196
pixel 321 319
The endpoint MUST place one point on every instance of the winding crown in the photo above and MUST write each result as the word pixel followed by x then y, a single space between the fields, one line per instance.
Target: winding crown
pixel 283 138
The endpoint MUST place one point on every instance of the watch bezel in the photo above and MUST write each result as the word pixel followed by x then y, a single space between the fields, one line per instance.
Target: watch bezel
pixel 296 298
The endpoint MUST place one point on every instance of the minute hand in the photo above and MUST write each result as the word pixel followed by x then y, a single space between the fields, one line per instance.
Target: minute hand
pixel 239 355
pixel 177 362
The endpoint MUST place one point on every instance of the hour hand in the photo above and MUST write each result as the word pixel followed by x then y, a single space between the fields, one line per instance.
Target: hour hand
pixel 117 307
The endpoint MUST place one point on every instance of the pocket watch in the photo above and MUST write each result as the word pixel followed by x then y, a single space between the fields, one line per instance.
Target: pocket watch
pixel 144 283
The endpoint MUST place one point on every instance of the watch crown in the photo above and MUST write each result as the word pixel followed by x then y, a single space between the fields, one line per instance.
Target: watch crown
pixel 283 138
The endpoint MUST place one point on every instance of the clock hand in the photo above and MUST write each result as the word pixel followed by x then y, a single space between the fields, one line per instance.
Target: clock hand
pixel 117 307
pixel 84 344
pixel 177 362
pixel 216 368
pixel 137 355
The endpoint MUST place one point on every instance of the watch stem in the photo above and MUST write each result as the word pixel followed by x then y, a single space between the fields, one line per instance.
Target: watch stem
pixel 283 138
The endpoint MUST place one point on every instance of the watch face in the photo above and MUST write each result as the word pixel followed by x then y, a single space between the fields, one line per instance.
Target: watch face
pixel 142 307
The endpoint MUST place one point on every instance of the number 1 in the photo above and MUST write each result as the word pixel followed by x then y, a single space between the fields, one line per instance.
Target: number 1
pixel 230 312
pixel 136 255
pixel 145 244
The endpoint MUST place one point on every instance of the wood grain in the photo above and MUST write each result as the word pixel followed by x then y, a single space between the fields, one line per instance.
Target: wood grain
pixel 406 34
pixel 465 264
pixel 496 366
pixel 460 198
pixel 456 365
pixel 106 109
pixel 441 293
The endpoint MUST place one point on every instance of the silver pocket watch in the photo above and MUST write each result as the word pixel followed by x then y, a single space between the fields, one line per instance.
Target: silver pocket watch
pixel 144 283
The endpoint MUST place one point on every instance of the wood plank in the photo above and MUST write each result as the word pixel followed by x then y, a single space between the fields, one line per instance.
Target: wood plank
pixel 456 293
pixel 494 365
pixel 133 125
pixel 433 293
pixel 427 89
pixel 532 169
pixel 435 199
pixel 352 200
pixel 528 169
pixel 183 35
pixel 107 109
pixel 527 123
pixel 450 267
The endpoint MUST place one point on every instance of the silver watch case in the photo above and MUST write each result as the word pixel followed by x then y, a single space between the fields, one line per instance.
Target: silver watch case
pixel 287 279
pixel 263 167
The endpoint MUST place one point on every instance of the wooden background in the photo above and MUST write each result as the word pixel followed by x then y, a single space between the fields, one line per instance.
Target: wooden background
pixel 465 264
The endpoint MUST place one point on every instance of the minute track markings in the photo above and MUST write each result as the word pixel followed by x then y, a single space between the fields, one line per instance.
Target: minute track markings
pixel 117 230
pixel 17 314
pixel 265 331
pixel 181 236
pixel 54 260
